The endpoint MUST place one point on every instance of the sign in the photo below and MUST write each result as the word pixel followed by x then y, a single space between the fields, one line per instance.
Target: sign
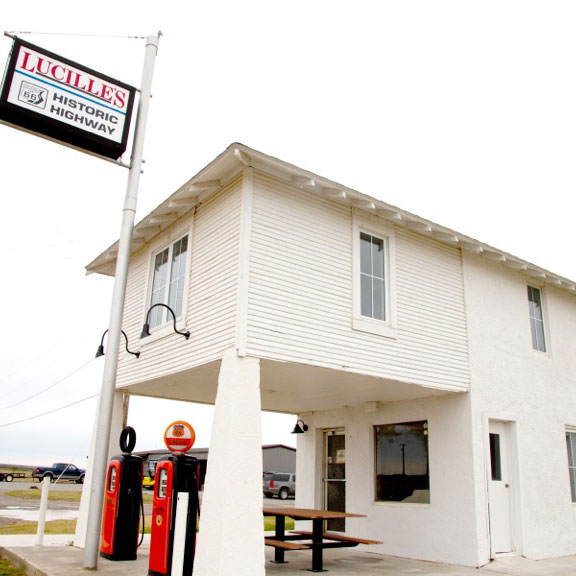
pixel 179 437
pixel 54 97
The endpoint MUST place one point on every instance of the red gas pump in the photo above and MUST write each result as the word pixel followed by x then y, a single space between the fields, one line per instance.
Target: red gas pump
pixel 122 502
pixel 176 477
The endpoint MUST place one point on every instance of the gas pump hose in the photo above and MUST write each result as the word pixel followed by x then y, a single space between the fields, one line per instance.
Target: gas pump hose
pixel 143 522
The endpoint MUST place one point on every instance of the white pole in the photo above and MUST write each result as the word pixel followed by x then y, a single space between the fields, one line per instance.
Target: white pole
pixel 43 509
pixel 179 543
pixel 117 310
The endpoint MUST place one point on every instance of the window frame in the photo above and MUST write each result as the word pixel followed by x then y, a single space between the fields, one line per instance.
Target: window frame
pixel 532 320
pixel 385 232
pixel 374 467
pixel 166 327
pixel 571 475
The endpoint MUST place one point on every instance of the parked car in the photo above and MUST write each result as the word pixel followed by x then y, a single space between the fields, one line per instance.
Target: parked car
pixel 60 471
pixel 148 483
pixel 281 484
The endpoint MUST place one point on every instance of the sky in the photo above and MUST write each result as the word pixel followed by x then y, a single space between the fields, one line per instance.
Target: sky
pixel 462 112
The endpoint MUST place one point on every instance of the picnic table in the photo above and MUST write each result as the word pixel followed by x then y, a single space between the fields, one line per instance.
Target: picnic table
pixel 316 540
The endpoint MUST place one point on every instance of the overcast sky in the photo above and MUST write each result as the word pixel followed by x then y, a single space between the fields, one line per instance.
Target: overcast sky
pixel 461 112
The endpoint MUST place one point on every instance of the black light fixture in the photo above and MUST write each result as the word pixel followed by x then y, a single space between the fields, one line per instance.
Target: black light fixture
pixel 146 327
pixel 300 429
pixel 100 351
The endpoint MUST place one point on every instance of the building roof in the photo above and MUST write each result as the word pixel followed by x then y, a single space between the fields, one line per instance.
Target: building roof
pixel 237 156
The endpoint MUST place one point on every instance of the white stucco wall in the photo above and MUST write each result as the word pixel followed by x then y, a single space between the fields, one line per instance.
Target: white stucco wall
pixel 443 530
pixel 534 391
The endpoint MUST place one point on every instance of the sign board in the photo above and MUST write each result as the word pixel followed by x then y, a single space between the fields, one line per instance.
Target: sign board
pixel 179 437
pixel 54 97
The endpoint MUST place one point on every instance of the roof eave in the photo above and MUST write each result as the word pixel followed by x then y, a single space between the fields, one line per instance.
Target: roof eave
pixel 236 157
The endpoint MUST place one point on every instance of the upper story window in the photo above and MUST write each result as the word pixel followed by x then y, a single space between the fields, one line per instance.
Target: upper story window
pixel 168 281
pixel 374 278
pixel 536 319
pixel 571 446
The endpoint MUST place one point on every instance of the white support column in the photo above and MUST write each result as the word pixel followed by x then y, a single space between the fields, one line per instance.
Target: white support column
pixel 231 537
pixel 113 448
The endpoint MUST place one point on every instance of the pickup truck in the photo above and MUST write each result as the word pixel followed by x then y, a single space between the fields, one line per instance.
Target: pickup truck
pixel 60 471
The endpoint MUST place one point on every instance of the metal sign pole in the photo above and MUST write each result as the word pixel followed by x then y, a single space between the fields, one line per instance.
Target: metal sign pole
pixel 117 310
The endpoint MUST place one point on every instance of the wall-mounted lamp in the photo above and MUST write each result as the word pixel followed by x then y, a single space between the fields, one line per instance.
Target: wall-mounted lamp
pixel 100 351
pixel 300 429
pixel 146 327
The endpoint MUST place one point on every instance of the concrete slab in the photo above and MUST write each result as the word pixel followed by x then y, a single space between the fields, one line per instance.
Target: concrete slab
pixel 60 560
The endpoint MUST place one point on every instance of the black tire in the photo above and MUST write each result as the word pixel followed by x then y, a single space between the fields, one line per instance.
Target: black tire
pixel 127 440
pixel 49 476
pixel 283 494
pixel 9 478
pixel 80 480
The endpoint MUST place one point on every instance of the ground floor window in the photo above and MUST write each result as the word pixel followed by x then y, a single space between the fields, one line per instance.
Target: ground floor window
pixel 402 473
pixel 571 445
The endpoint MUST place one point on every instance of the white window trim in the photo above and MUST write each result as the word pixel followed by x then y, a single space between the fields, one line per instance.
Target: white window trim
pixel 159 332
pixel 572 430
pixel 547 343
pixel 390 504
pixel 388 327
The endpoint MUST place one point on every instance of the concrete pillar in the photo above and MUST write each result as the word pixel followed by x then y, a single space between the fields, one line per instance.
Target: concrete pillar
pixel 231 537
pixel 119 416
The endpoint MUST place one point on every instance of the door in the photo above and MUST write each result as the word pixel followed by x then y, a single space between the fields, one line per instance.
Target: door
pixel 500 491
pixel 334 476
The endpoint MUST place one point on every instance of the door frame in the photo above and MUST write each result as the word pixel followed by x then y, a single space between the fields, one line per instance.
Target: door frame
pixel 335 430
pixel 514 490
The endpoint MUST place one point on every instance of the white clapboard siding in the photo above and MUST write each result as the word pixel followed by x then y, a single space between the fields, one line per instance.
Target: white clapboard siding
pixel 300 294
pixel 212 293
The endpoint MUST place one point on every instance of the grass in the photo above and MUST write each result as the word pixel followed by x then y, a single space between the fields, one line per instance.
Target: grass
pixel 60 495
pixel 6 569
pixel 52 527
pixel 69 527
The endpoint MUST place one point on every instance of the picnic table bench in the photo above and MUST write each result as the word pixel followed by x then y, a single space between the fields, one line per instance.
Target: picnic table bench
pixel 316 540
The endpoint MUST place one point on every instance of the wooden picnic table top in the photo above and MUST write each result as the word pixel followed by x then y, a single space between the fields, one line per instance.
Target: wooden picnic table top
pixel 308 513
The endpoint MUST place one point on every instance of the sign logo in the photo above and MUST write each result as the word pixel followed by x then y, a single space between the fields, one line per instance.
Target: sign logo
pixel 33 95
pixel 55 97
pixel 179 437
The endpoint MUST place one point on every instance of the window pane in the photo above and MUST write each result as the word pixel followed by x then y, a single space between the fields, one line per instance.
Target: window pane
pixel 571 447
pixel 378 257
pixel 365 257
pixel 402 473
pixel 379 299
pixel 159 284
pixel 495 459
pixel 178 275
pixel 366 295
pixel 536 319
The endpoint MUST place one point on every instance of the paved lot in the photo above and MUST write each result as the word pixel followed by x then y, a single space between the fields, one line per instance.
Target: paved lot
pixel 62 560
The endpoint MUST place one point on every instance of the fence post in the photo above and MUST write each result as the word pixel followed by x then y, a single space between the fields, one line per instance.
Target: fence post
pixel 43 508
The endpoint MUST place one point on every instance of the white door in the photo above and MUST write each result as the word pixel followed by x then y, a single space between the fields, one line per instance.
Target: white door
pixel 500 491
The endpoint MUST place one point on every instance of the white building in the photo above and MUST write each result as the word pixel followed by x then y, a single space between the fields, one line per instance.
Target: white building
pixel 436 374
